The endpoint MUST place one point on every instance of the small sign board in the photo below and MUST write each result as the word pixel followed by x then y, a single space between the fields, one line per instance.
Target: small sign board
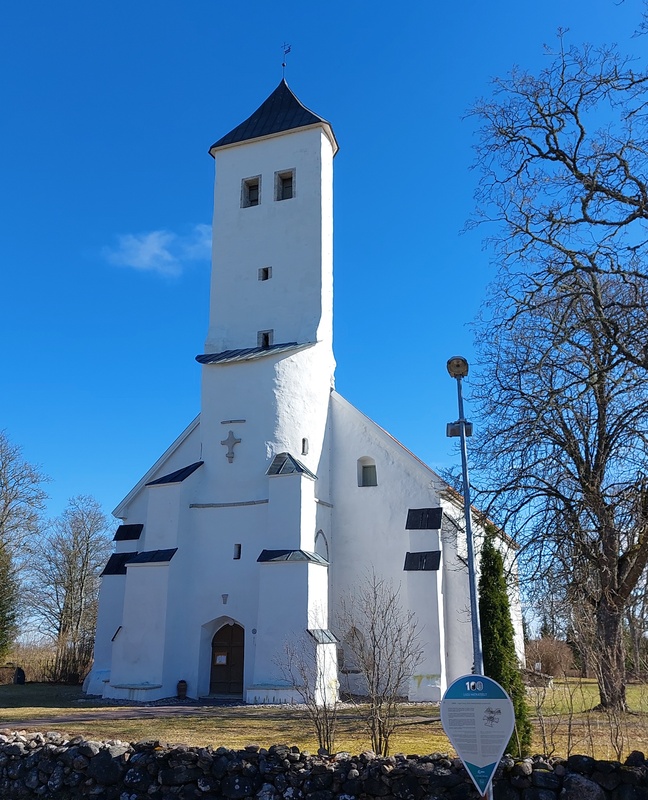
pixel 478 718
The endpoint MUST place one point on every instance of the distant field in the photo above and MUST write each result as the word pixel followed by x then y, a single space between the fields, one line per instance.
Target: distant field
pixel 562 722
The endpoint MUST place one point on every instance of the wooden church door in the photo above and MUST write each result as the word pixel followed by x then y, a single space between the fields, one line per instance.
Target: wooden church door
pixel 227 661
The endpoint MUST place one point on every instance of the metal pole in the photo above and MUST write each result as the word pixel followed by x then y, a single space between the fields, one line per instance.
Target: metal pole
pixel 478 657
pixel 472 577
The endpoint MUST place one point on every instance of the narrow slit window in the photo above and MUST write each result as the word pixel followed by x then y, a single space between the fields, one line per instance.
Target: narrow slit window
pixel 285 185
pixel 237 552
pixel 251 192
pixel 265 273
pixel 264 338
pixel 304 451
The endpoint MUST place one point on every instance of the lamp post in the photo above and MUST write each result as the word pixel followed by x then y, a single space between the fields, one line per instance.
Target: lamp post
pixel 458 369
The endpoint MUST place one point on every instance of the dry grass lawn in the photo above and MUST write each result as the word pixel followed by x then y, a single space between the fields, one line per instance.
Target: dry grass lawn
pixel 563 723
pixel 227 726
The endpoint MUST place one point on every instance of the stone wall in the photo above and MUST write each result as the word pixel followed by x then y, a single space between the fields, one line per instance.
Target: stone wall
pixel 37 765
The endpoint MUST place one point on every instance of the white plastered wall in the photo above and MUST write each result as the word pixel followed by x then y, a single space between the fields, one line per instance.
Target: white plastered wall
pixel 369 530
pixel 456 603
pixel 293 237
pixel 111 605
pixel 292 512
pixel 138 648
pixel 282 616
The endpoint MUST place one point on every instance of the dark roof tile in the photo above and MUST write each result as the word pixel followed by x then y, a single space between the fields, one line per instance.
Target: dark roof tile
pixel 117 563
pixel 247 353
pixel 424 561
pixel 291 555
pixel 285 464
pixel 153 556
pixel 282 111
pixel 323 636
pixel 178 476
pixel 423 519
pixel 127 533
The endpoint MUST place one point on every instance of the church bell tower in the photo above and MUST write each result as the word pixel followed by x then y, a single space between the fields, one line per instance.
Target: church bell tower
pixel 269 353
pixel 268 366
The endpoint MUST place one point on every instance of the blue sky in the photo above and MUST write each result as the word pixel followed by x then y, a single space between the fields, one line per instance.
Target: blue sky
pixel 106 202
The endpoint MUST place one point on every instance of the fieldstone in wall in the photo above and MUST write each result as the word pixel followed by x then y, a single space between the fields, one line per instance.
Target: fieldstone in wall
pixel 578 787
pixel 51 767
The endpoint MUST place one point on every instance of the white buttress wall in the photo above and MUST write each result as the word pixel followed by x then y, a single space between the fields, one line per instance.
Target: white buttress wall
pixel 138 649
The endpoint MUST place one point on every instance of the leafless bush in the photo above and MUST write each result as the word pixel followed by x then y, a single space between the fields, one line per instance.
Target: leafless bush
pixel 384 642
pixel 34 657
pixel 305 667
pixel 554 656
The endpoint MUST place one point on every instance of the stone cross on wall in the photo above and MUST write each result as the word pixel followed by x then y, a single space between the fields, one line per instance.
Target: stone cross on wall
pixel 229 443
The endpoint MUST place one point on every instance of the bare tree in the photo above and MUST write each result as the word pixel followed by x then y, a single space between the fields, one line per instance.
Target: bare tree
pixel 563 157
pixel 65 584
pixel 22 500
pixel 384 641
pixel 564 454
pixel 636 620
pixel 22 497
pixel 315 682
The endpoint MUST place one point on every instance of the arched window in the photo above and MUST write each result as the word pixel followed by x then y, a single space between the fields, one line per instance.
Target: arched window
pixel 321 545
pixel 367 475
pixel 352 644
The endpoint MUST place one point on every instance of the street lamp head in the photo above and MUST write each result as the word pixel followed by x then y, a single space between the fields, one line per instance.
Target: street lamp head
pixel 457 367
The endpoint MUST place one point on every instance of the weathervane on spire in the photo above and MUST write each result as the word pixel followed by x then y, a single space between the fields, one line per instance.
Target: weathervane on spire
pixel 286 49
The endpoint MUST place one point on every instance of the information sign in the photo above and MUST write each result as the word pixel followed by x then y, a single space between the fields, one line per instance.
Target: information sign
pixel 478 718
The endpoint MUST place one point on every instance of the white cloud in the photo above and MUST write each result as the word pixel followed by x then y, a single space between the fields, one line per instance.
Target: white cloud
pixel 164 252
pixel 197 246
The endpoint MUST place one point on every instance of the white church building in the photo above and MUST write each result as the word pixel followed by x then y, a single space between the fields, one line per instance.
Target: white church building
pixel 276 501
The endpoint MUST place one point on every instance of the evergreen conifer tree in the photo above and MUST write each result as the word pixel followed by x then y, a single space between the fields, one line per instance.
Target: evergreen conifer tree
pixel 500 659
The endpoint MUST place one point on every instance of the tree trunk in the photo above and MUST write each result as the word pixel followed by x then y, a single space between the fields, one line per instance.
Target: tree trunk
pixel 611 661
pixel 634 634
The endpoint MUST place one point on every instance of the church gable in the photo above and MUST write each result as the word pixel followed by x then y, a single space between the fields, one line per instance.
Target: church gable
pixel 351 425
pixel 385 495
pixel 184 451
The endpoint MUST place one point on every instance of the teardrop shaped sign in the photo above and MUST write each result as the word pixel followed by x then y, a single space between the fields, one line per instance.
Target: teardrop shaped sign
pixel 478 718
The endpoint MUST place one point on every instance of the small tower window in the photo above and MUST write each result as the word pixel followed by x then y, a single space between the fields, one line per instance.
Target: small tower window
pixel 367 475
pixel 264 338
pixel 285 185
pixel 251 192
pixel 265 273
pixel 304 451
pixel 237 552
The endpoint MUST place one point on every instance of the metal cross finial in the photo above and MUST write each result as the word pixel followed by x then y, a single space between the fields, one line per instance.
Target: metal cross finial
pixel 286 49
pixel 229 443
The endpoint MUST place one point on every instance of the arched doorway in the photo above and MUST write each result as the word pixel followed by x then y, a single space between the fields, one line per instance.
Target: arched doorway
pixel 227 649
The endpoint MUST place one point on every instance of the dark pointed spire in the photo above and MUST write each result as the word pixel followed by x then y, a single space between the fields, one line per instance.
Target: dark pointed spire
pixel 282 111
